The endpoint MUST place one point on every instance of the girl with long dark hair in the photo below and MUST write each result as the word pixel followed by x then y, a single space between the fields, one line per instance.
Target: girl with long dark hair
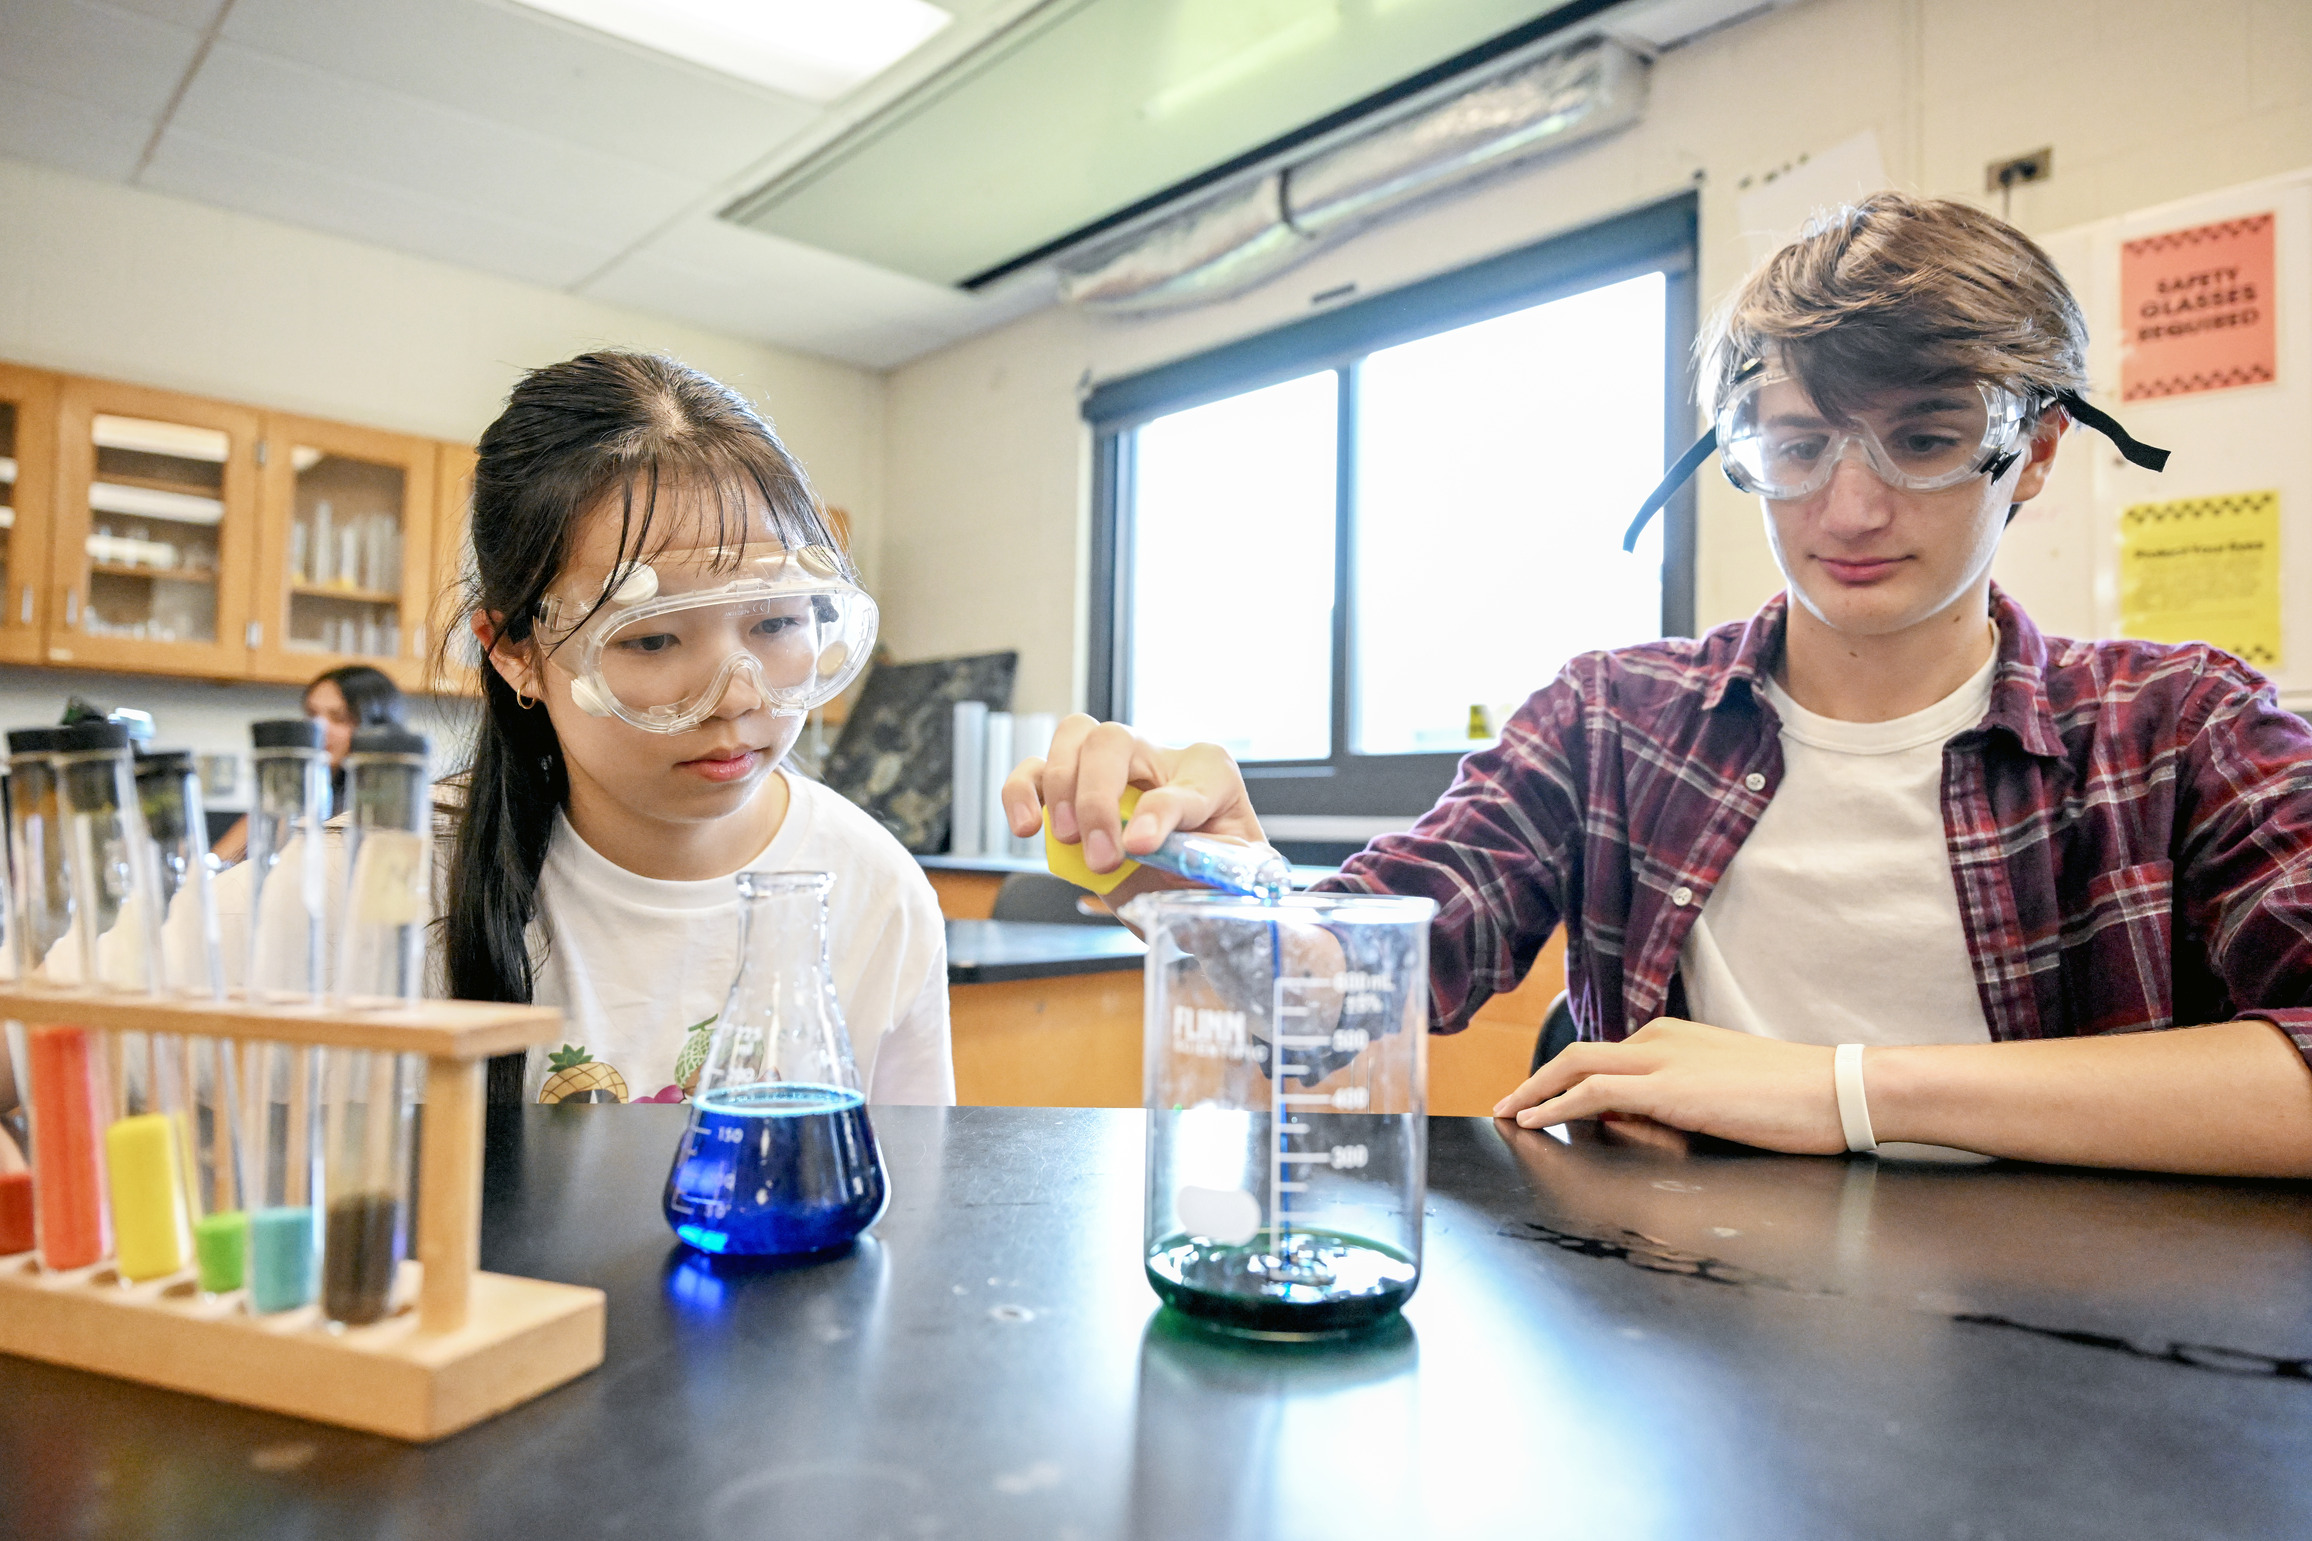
pixel 658 599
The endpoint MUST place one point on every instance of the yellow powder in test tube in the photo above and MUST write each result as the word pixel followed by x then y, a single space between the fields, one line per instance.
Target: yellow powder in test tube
pixel 147 1232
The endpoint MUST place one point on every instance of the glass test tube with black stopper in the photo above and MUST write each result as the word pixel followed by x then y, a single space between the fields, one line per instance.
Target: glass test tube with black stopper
pixel 169 794
pixel 370 1095
pixel 39 851
pixel 287 862
pixel 117 932
pixel 287 960
pixel 60 1070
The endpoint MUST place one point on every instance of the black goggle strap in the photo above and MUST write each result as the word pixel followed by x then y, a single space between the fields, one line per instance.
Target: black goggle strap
pixel 1668 488
pixel 2135 450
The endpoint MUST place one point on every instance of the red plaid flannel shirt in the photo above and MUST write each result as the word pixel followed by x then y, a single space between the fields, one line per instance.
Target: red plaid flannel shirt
pixel 2130 830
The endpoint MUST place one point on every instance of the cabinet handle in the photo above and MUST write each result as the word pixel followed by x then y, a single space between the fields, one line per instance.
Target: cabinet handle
pixel 26 607
pixel 71 608
pixel 256 634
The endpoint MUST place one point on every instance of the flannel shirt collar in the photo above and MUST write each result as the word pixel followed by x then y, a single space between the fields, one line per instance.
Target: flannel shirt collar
pixel 2019 701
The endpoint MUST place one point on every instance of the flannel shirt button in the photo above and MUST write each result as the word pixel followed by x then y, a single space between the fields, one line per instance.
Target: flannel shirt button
pixel 1754 782
pixel 1681 896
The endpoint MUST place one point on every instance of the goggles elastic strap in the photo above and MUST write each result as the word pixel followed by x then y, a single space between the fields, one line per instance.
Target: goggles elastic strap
pixel 2135 450
pixel 1669 485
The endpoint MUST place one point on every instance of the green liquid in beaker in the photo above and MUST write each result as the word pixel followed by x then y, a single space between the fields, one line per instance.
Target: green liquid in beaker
pixel 1312 1282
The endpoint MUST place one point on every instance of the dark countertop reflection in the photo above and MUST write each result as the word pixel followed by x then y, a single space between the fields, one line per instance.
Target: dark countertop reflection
pixel 1617 1337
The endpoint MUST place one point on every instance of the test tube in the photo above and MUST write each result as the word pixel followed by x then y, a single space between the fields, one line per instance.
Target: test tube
pixel 168 786
pixel 62 1076
pixel 118 931
pixel 282 1092
pixel 39 849
pixel 287 924
pixel 371 1095
pixel 279 1146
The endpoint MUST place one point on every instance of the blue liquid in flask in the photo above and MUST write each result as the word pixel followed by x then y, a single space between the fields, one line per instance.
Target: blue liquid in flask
pixel 783 1167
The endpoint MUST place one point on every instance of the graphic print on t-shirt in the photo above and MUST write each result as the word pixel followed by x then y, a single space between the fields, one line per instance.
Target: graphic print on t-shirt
pixel 580 1077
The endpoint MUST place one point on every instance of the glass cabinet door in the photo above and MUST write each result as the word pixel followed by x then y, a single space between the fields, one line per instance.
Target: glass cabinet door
pixel 461 655
pixel 27 504
pixel 154 531
pixel 346 570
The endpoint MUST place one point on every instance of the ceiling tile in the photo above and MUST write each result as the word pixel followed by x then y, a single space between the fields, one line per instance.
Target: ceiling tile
pixel 522 68
pixel 348 128
pixel 731 280
pixel 301 193
pixel 125 63
pixel 62 131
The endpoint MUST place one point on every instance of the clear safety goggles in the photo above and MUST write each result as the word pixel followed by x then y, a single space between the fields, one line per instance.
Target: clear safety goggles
pixel 1771 440
pixel 673 636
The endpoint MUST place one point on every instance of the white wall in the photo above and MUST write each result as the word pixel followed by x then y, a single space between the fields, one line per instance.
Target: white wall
pixel 106 280
pixel 986 510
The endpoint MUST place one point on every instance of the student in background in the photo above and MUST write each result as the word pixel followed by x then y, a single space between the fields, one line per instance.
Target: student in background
pixel 1881 862
pixel 355 696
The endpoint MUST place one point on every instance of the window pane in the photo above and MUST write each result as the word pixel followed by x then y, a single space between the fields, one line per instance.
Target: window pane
pixel 1497 467
pixel 1232 572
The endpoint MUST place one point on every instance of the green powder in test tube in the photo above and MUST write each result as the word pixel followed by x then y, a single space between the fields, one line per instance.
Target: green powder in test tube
pixel 280 1259
pixel 221 1246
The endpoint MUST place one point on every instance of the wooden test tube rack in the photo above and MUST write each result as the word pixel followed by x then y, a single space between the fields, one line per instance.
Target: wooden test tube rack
pixel 473 1344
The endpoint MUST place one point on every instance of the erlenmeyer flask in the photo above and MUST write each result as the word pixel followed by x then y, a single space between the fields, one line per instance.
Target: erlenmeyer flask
pixel 779 1156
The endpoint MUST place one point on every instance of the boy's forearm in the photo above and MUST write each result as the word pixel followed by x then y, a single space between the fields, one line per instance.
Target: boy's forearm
pixel 2234 1099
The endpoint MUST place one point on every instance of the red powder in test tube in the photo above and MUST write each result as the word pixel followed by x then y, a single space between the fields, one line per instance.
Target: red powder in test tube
pixel 67 1146
pixel 15 1213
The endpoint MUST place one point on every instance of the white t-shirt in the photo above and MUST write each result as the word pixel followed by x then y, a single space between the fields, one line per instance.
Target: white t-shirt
pixel 633 962
pixel 1838 919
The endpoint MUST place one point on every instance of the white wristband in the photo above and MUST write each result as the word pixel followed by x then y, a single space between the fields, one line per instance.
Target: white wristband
pixel 1853 1107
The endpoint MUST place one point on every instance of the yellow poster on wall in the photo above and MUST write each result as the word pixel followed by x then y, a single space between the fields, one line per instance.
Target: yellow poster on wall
pixel 2204 570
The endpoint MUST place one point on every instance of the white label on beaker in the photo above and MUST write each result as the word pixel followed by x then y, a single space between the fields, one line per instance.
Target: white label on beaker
pixel 1229 1216
pixel 1206 1033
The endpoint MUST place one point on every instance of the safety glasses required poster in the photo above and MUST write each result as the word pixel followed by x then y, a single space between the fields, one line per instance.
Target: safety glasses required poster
pixel 2198 309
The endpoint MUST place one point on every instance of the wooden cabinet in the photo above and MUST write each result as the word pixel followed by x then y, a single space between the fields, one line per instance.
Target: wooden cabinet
pixel 344 570
pixel 27 501
pixel 158 533
pixel 155 531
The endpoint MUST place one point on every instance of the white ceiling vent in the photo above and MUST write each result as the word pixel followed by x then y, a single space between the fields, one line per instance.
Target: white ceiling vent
pixel 1228 241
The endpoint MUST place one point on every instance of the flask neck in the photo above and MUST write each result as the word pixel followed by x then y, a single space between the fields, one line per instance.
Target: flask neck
pixel 782 1021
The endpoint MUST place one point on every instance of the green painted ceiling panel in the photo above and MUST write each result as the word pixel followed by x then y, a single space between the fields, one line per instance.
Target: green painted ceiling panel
pixel 1099 106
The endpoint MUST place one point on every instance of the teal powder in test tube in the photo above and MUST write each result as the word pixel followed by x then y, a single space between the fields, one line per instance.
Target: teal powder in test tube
pixel 281 1253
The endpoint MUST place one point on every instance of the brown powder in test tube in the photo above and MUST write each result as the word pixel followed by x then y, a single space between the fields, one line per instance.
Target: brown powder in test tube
pixel 358 1256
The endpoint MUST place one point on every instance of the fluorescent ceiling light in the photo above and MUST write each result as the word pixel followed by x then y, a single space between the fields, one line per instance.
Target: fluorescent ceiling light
pixel 814 49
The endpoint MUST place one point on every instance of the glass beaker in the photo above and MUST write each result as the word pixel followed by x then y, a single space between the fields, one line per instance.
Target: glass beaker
pixel 40 850
pixel 779 1156
pixel 1287 1085
pixel 287 921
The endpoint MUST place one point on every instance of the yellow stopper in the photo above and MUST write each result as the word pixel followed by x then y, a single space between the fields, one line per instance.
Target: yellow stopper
pixel 1067 861
pixel 147 1231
